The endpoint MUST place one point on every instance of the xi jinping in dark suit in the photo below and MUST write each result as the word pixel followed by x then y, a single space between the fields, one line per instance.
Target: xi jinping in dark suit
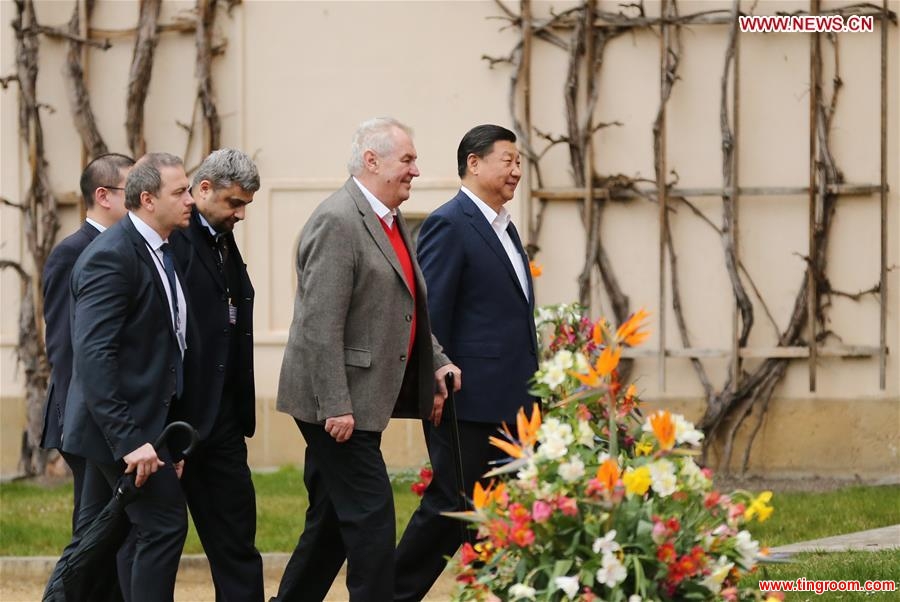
pixel 481 303
pixel 129 322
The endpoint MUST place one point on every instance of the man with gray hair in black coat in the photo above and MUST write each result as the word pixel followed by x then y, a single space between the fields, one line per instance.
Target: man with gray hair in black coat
pixel 219 399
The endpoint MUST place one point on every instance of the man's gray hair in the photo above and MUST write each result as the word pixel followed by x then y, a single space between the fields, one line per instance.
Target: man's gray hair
pixel 376 135
pixel 228 166
pixel 145 176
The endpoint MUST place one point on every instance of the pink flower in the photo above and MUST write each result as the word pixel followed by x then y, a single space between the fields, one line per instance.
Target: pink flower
pixel 567 505
pixel 541 511
pixel 659 533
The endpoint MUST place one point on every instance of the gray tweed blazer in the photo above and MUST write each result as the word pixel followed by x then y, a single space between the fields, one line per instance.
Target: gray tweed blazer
pixel 346 352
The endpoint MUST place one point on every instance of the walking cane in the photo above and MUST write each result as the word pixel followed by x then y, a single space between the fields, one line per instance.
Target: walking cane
pixel 450 410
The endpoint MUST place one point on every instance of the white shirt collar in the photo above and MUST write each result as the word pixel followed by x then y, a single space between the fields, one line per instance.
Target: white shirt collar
pixel 150 235
pixel 380 209
pixel 499 219
pixel 95 224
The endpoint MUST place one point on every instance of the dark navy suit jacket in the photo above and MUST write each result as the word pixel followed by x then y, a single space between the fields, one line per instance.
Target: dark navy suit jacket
pixel 478 310
pixel 124 345
pixel 55 283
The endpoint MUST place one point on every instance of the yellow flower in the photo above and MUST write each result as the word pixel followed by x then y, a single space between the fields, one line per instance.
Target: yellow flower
pixel 664 428
pixel 644 447
pixel 630 332
pixel 637 481
pixel 760 507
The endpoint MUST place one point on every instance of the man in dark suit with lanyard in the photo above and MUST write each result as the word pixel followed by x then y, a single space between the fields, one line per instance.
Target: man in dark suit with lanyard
pixel 129 324
pixel 103 190
pixel 220 399
pixel 481 303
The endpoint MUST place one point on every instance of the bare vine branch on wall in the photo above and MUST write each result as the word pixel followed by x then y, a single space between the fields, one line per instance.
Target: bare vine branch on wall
pixel 206 16
pixel 139 75
pixel 79 99
pixel 40 225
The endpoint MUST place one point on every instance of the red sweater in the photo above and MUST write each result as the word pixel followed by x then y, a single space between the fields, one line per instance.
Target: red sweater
pixel 402 252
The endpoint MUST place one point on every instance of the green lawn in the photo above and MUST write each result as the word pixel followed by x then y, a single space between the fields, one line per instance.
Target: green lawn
pixel 34 520
pixel 801 516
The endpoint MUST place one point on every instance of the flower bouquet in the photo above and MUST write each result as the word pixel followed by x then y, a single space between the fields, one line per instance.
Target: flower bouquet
pixel 598 502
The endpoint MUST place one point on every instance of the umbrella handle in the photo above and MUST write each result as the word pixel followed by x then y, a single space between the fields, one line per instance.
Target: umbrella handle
pixel 448 381
pixel 179 425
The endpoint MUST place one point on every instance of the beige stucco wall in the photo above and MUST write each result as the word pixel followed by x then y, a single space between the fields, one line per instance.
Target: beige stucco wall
pixel 297 77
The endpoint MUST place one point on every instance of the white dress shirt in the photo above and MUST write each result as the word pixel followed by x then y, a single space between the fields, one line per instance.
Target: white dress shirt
pixel 154 242
pixel 500 222
pixel 380 209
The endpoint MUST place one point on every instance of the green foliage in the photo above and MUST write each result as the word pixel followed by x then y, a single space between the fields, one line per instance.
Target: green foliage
pixel 34 519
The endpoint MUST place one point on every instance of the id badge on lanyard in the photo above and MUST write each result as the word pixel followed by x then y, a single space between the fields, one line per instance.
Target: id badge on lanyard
pixel 232 312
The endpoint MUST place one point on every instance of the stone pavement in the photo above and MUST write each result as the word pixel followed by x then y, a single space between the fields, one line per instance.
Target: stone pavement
pixel 22 579
pixel 871 540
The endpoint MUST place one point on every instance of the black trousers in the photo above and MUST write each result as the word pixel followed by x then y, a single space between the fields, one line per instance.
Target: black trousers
pixel 429 538
pixel 350 516
pixel 222 501
pixel 158 527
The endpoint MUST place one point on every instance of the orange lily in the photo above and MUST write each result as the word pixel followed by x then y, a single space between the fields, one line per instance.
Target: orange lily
pixel 606 363
pixel 512 449
pixel 527 433
pixel 664 429
pixel 528 429
pixel 597 332
pixel 608 360
pixel 481 497
pixel 608 474
pixel 536 269
pixel 591 379
pixel 629 332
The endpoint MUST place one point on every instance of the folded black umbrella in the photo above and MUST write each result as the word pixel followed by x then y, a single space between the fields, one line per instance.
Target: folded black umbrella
pixel 108 530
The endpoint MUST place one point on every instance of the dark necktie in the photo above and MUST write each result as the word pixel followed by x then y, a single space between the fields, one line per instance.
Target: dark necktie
pixel 169 267
pixel 222 246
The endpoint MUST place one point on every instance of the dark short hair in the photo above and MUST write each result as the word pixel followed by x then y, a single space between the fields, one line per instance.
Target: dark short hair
pixel 145 176
pixel 103 171
pixel 480 142
pixel 228 166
